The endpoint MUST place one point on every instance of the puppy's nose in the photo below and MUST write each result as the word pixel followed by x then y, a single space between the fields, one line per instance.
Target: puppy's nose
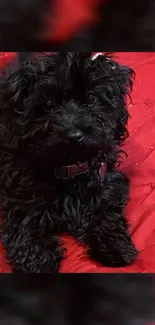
pixel 75 135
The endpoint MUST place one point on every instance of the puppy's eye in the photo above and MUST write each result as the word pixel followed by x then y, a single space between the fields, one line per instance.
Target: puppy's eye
pixel 47 105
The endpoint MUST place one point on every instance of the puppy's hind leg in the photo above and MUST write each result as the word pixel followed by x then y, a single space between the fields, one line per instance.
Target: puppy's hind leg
pixel 108 238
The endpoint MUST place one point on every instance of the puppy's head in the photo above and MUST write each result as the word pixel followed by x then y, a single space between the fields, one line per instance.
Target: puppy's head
pixel 64 108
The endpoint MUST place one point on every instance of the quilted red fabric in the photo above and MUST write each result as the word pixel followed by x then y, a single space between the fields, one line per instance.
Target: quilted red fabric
pixel 140 168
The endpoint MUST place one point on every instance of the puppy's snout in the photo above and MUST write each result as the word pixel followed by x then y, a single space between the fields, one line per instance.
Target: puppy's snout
pixel 75 135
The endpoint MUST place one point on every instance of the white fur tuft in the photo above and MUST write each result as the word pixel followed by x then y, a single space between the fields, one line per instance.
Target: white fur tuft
pixel 95 56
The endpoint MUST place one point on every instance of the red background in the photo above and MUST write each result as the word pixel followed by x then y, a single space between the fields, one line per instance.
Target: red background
pixel 140 168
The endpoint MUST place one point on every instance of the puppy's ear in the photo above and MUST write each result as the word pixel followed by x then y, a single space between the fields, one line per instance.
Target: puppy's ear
pixel 17 77
pixel 124 77
pixel 114 82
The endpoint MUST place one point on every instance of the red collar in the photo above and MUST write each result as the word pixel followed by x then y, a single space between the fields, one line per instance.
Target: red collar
pixel 72 171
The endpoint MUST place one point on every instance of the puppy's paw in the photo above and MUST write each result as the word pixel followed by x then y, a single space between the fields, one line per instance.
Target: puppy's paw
pixel 115 258
pixel 129 255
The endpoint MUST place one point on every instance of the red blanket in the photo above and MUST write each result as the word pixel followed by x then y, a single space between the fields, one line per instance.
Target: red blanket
pixel 140 168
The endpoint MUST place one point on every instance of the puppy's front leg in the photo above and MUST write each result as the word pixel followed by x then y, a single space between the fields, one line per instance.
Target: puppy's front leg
pixel 29 248
pixel 108 239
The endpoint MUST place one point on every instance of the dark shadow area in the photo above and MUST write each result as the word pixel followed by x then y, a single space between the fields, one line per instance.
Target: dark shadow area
pixel 73 299
pixel 118 26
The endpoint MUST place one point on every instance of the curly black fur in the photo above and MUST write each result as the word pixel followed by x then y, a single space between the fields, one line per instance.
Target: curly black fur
pixel 43 102
pixel 91 299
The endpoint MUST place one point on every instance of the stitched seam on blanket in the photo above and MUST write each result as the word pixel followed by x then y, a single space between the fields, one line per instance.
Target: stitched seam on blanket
pixel 143 185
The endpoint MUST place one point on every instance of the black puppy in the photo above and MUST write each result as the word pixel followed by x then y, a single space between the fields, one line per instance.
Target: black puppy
pixel 63 117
